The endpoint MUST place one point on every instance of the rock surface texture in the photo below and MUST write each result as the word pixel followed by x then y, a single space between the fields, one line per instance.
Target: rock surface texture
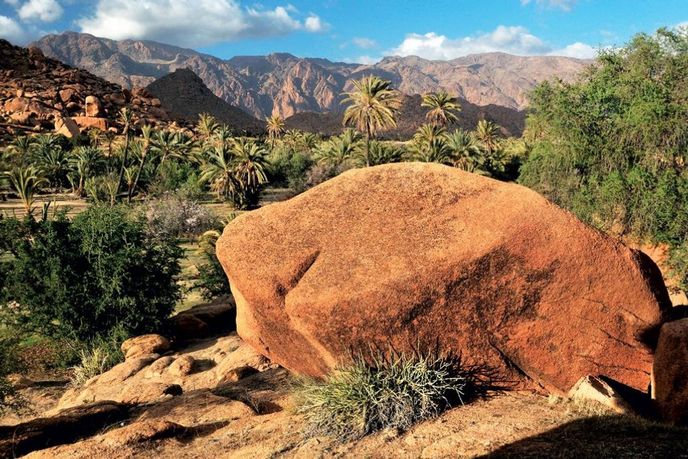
pixel 670 372
pixel 412 254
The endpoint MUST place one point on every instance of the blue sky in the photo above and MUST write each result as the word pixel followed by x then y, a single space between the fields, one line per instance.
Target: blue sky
pixel 351 30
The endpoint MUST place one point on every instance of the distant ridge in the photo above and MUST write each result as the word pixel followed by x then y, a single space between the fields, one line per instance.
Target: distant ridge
pixel 283 84
pixel 183 94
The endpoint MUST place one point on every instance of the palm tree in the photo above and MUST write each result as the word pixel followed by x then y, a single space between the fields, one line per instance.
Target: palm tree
pixel 126 117
pixel 443 108
pixel 250 161
pixel 372 108
pixel 146 137
pixel 487 134
pixel 218 169
pixel 53 162
pixel 206 125
pixel 381 153
pixel 26 181
pixel 275 126
pixel 434 150
pixel 22 147
pixel 86 162
pixel 465 151
pixel 339 149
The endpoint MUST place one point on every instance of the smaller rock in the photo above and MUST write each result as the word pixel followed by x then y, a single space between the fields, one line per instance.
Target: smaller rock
pixel 155 102
pixel 670 372
pixel 156 369
pixel 141 431
pixel 592 388
pixel 126 369
pixel 237 374
pixel 66 127
pixel 137 394
pixel 187 326
pixel 145 345
pixel 66 95
pixel 182 366
pixel 93 106
pixel 91 122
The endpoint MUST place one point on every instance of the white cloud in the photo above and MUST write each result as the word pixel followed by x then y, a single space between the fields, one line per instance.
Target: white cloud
pixel 192 22
pixel 564 5
pixel 364 43
pixel 578 50
pixel 507 39
pixel 11 31
pixel 14 3
pixel 43 10
pixel 314 24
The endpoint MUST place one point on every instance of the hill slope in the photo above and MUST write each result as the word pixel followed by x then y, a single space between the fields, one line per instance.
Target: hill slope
pixel 184 94
pixel 284 84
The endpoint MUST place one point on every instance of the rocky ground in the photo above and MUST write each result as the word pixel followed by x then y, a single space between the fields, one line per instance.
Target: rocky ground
pixel 251 414
pixel 39 94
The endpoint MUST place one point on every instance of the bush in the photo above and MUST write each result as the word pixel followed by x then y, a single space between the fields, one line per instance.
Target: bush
pixel 212 280
pixel 83 278
pixel 382 391
pixel 174 216
pixel 172 176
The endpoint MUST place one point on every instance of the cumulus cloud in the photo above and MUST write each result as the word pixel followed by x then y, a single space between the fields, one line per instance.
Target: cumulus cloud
pixel 508 39
pixel 192 22
pixel 314 24
pixel 578 49
pixel 364 43
pixel 564 5
pixel 10 30
pixel 42 10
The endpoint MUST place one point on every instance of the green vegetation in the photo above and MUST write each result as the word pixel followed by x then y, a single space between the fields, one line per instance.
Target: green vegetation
pixel 99 356
pixel 612 146
pixel 383 390
pixel 81 279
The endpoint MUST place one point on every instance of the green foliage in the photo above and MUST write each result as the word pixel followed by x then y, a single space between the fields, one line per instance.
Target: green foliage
pixel 612 147
pixel 99 356
pixel 83 278
pixel 380 391
pixel 212 280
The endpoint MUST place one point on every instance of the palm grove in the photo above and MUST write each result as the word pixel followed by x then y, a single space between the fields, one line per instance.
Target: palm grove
pixel 611 147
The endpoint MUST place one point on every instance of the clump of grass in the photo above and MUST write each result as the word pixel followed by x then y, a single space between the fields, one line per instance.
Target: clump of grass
pixel 380 391
pixel 96 359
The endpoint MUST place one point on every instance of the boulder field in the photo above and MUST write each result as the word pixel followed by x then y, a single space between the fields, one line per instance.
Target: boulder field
pixel 418 255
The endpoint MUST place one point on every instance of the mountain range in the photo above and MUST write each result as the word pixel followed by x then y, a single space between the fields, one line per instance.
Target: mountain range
pixel 286 85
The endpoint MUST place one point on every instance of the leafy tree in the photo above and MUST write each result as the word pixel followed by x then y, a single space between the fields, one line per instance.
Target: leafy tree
pixel 443 108
pixel 372 108
pixel 82 278
pixel 613 146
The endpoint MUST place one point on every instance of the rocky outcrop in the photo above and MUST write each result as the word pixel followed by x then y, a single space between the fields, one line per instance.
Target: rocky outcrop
pixel 670 372
pixel 417 255
pixel 284 85
pixel 140 346
pixel 36 92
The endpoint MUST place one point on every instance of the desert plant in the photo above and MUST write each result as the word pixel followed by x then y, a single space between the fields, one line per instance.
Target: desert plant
pixel 98 357
pixel 26 181
pixel 172 216
pixel 443 108
pixel 372 108
pixel 381 390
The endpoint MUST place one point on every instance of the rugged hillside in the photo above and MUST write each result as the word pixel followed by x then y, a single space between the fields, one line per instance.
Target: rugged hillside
pixel 184 95
pixel 284 84
pixel 39 93
pixel 411 116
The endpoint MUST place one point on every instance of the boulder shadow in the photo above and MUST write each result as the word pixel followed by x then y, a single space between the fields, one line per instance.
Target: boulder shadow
pixel 602 436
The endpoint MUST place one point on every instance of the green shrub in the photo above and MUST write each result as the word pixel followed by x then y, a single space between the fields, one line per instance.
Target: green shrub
pixel 212 280
pixel 99 357
pixel 80 279
pixel 380 391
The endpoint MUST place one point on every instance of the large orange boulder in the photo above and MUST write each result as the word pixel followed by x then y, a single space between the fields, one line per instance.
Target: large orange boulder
pixel 412 254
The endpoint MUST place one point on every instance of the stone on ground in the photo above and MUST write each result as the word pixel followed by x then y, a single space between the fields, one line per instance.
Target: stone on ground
pixel 670 372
